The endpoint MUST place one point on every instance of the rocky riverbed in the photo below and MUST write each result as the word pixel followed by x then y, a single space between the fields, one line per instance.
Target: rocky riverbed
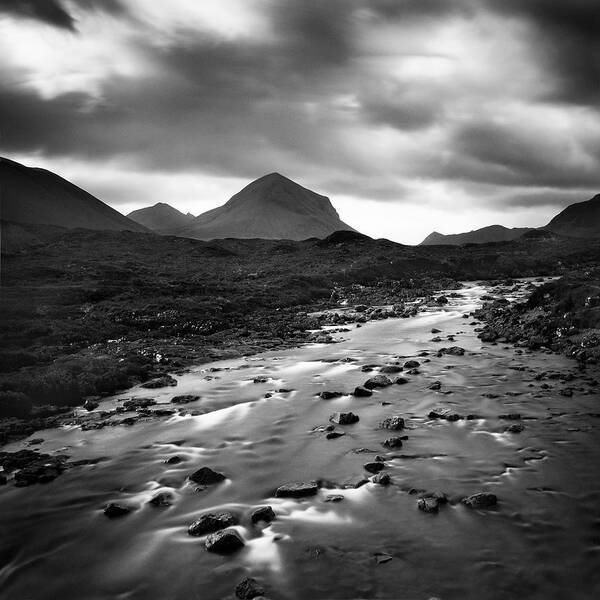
pixel 410 459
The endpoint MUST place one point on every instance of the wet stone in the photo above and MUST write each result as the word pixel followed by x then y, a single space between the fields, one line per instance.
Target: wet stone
pixel 362 392
pixel 428 505
pixel 297 489
pixel 224 542
pixel 400 380
pixel 206 476
pixel 263 513
pixel 162 500
pixel 329 395
pixel 160 382
pixel 515 428
pixel 333 498
pixel 390 369
pixel 393 442
pixel 113 510
pixel 394 423
pixel 382 479
pixel 341 418
pixel 184 399
pixel 374 467
pixel 412 364
pixel 445 414
pixel 211 522
pixel 248 588
pixel 378 381
pixel 332 435
pixel 480 500
pixel 173 460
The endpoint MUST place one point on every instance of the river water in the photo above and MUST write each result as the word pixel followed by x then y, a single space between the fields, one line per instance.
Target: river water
pixel 542 540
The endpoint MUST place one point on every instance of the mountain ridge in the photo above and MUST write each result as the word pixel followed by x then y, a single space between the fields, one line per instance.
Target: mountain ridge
pixel 161 217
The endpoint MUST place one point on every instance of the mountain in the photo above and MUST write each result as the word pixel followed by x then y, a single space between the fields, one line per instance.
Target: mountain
pixel 272 207
pixel 493 233
pixel 161 218
pixel 581 219
pixel 32 195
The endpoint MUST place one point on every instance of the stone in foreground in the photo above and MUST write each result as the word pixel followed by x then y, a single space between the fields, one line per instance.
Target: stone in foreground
pixel 114 510
pixel 395 423
pixel 206 476
pixel 248 588
pixel 341 418
pixel 297 489
pixel 429 505
pixel 263 513
pixel 480 500
pixel 362 392
pixel 378 381
pixel 224 542
pixel 211 522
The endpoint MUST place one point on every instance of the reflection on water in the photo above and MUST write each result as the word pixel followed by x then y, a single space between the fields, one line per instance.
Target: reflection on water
pixel 541 541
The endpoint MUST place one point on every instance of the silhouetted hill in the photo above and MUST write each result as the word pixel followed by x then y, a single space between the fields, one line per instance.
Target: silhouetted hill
pixel 161 218
pixel 493 233
pixel 272 207
pixel 581 219
pixel 32 195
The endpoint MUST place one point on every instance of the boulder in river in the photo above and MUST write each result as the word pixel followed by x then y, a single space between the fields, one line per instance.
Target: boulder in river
pixel 435 386
pixel 113 510
pixel 393 442
pixel 226 541
pixel 412 364
pixel 262 513
pixel 206 476
pixel 159 382
pixel 248 588
pixel 90 405
pixel 342 418
pixel 297 489
pixel 480 500
pixel 382 479
pixel 400 380
pixel 395 423
pixel 428 505
pixel 390 369
pixel 362 392
pixel 378 381
pixel 184 399
pixel 211 522
pixel 162 499
pixel 334 434
pixel 329 395
pixel 515 428
pixel 374 467
pixel 445 414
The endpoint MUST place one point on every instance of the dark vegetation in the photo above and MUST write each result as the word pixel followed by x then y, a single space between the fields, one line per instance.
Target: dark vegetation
pixel 87 313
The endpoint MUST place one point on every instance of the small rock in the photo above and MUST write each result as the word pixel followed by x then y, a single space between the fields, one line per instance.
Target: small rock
pixel 263 513
pixel 333 498
pixel 400 380
pixel 374 467
pixel 480 500
pixel 113 510
pixel 159 382
pixel 248 588
pixel 436 330
pixel 444 413
pixel 297 489
pixel 224 542
pixel 344 418
pixel 377 382
pixel 173 460
pixel 362 392
pixel 515 428
pixel 328 395
pixel 394 423
pixel 393 442
pixel 206 476
pixel 391 369
pixel 162 499
pixel 332 435
pixel 412 364
pixel 382 479
pixel 90 405
pixel 436 385
pixel 428 505
pixel 184 399
pixel 211 522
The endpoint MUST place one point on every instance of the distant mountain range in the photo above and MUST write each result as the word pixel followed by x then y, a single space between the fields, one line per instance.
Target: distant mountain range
pixel 492 233
pixel 271 207
pixel 581 219
pixel 32 195
pixel 161 218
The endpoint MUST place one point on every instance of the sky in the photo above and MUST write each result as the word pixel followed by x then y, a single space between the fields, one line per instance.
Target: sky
pixel 411 115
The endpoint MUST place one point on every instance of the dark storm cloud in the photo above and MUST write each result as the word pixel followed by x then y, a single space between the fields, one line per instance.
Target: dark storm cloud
pixel 50 12
pixel 515 155
pixel 54 13
pixel 567 42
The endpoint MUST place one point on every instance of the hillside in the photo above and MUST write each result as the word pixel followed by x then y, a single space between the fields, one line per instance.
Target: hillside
pixel 37 196
pixel 271 207
pixel 161 218
pixel 493 233
pixel 581 219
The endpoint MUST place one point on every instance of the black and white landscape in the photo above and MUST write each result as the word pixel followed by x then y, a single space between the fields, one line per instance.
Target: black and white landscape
pixel 239 358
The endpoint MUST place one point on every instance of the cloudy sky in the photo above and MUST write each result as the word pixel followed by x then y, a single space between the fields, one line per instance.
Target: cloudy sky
pixel 411 115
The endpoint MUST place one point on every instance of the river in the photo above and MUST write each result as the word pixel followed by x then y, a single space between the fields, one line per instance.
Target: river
pixel 542 540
